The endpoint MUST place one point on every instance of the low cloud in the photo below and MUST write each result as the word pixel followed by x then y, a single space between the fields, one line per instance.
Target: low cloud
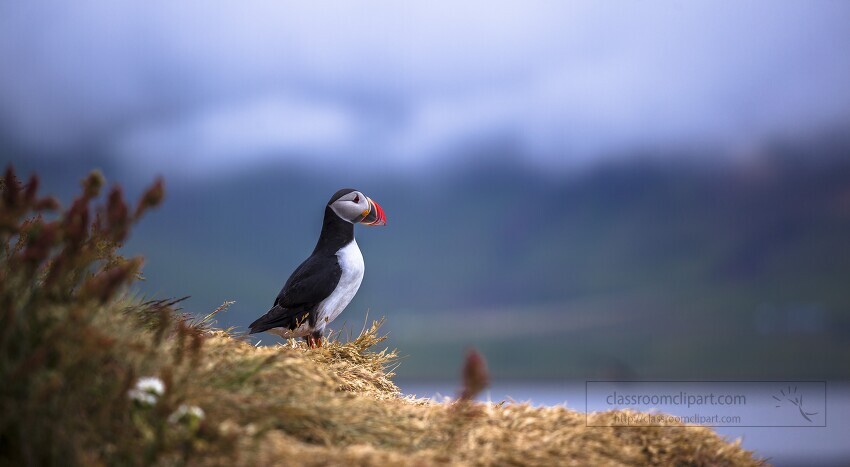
pixel 225 84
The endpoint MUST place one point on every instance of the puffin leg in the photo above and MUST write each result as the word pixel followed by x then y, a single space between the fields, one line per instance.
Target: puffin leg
pixel 317 338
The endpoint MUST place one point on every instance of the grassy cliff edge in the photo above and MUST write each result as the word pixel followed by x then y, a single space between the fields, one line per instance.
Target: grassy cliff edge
pixel 338 405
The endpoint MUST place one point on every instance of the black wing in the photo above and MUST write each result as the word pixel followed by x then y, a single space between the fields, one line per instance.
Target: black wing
pixel 313 281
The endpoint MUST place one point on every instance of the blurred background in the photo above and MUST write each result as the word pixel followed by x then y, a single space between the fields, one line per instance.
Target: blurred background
pixel 580 190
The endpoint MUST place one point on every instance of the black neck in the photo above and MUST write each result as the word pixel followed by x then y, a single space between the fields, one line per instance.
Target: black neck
pixel 336 233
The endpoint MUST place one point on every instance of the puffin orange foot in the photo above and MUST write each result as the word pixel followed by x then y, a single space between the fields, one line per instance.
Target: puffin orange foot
pixel 313 342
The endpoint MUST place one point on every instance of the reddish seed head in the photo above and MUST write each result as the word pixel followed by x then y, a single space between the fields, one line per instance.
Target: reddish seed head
pixel 76 222
pixel 152 197
pixel 10 187
pixel 103 285
pixel 43 237
pixel 31 189
pixel 47 204
pixel 116 214
pixel 92 184
pixel 475 377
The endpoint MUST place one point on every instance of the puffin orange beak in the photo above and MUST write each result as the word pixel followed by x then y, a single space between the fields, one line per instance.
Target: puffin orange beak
pixel 375 215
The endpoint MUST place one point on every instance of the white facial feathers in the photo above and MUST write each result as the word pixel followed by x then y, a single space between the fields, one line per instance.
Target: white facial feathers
pixel 351 207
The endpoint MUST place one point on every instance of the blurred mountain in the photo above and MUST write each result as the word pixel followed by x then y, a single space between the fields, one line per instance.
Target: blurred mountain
pixel 646 268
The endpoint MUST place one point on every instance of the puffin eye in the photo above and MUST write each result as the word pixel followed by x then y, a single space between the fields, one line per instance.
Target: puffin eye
pixel 356 198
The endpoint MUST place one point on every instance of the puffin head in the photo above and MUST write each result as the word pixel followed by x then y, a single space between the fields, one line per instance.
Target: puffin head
pixel 353 206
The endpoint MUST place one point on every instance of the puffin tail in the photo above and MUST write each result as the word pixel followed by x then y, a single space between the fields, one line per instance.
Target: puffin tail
pixel 277 317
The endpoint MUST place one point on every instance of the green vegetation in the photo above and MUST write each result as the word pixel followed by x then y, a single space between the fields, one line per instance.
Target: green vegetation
pixel 93 377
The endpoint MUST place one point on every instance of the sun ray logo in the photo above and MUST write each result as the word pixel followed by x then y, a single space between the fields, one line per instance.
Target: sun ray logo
pixel 789 395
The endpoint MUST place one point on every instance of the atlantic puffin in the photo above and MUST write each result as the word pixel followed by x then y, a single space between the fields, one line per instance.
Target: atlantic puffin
pixel 324 284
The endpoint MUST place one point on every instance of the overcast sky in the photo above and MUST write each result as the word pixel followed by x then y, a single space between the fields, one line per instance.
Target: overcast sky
pixel 211 84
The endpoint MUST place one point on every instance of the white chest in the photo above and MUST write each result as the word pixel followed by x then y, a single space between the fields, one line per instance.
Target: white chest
pixel 351 261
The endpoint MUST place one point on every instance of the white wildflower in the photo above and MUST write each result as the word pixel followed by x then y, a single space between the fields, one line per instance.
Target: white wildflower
pixel 147 390
pixel 188 413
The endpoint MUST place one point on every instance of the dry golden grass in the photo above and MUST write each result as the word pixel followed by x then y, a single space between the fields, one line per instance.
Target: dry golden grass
pixel 338 406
